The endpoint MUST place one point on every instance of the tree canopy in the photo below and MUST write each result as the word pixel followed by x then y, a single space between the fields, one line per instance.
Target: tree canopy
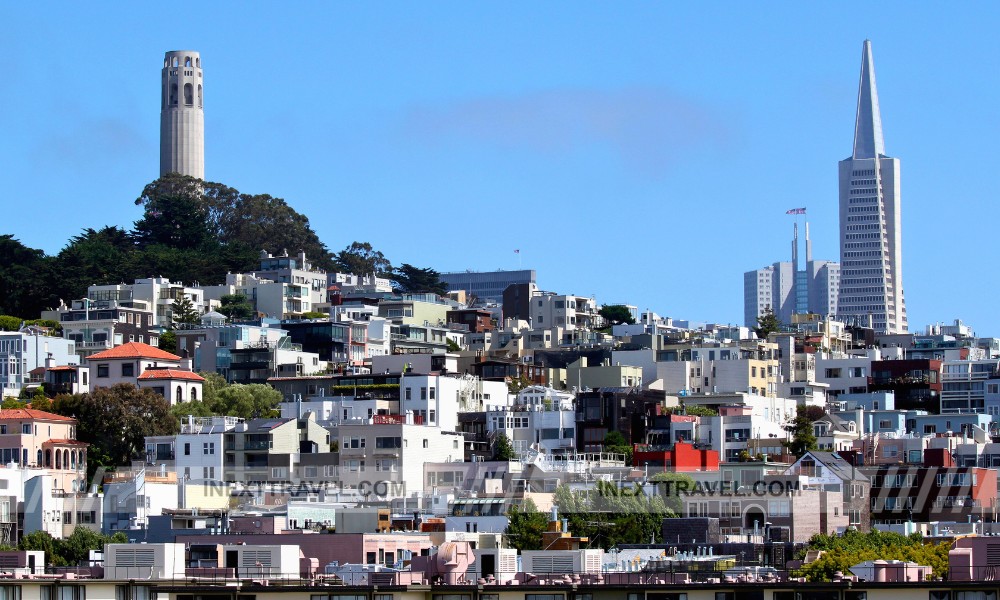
pixel 801 429
pixel 416 280
pixel 616 314
pixel 767 324
pixel 360 258
pixel 115 422
pixel 71 551
pixel 841 552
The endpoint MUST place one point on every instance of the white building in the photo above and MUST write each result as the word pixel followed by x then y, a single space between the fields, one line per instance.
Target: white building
pixel 541 420
pixel 568 312
pixel 390 455
pixel 156 292
pixel 125 363
pixel 24 351
pixel 276 299
pixel 871 285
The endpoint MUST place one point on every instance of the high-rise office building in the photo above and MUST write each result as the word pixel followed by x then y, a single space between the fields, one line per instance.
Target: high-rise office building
pixel 871 284
pixel 788 288
pixel 182 116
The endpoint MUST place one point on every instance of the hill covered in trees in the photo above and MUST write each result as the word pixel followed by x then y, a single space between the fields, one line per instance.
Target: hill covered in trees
pixel 190 231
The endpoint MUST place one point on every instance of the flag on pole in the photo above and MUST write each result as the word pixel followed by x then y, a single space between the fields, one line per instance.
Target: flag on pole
pixel 517 251
pixel 796 211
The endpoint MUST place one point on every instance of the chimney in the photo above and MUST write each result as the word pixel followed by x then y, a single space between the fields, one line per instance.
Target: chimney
pixel 49 361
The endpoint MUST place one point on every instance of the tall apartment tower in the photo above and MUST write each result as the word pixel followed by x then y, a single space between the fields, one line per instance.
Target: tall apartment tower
pixel 871 283
pixel 182 117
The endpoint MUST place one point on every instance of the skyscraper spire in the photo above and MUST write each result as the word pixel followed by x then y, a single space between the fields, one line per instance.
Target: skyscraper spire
pixel 868 142
pixel 871 257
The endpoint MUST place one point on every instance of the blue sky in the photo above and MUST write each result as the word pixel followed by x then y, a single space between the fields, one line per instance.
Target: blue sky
pixel 638 152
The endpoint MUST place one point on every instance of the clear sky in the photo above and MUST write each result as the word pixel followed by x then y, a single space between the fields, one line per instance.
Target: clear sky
pixel 639 152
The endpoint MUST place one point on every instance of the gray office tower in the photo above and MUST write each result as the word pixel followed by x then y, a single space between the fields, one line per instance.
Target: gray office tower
pixel 487 286
pixel 795 287
pixel 871 283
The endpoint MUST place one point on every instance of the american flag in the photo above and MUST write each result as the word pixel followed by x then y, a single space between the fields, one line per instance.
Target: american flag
pixel 796 211
pixel 517 250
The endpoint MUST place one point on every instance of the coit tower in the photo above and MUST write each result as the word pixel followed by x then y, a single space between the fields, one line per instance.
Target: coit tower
pixel 182 117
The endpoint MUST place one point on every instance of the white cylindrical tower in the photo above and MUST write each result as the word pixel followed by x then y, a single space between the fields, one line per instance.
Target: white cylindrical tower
pixel 182 116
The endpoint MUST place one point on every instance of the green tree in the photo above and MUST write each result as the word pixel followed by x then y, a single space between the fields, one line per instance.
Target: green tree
pixel 361 259
pixel 241 223
pixel 503 450
pixel 194 408
pixel 615 442
pixel 184 311
pixel 94 257
pixel 841 552
pixel 24 273
pixel 313 314
pixel 767 324
pixel 616 314
pixel 115 422
pixel 453 346
pixel 210 388
pixel 41 540
pixel 525 526
pixel 9 323
pixel 699 411
pixel 801 429
pixel 670 485
pixel 415 280
pixel 249 401
pixel 71 551
pixel 168 341
pixel 236 307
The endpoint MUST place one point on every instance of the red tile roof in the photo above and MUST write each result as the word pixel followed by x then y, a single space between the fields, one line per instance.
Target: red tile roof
pixel 66 442
pixel 134 350
pixel 170 374
pixel 62 368
pixel 9 414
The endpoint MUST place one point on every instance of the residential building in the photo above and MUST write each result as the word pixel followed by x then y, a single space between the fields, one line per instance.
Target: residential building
pixel 274 299
pixel 39 439
pixel 393 453
pixel 125 363
pixel 295 270
pixel 21 352
pixel 871 284
pixel 157 293
pixel 916 384
pixel 569 312
pixel 196 453
pixel 175 385
pixel 963 384
pixel 98 324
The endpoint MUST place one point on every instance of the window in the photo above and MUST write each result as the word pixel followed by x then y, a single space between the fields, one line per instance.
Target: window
pixel 26 429
pixel 10 592
pixel 133 592
pixel 544 597
pixel 64 592
pixel 423 393
pixel 208 448
pixel 128 370
pixel 432 413
pixel 187 448
pixel 426 444
pixel 102 370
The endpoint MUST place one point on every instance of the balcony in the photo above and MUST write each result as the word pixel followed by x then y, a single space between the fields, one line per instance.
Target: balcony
pixel 257 445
